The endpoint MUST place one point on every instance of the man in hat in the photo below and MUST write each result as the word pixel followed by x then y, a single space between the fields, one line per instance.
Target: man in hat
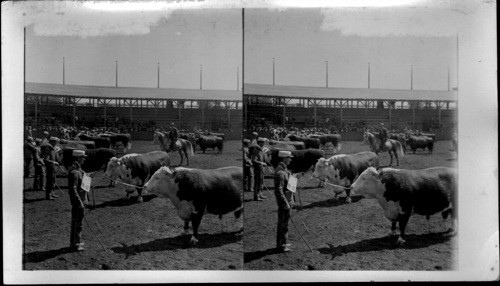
pixel 78 198
pixel 46 137
pixel 383 134
pixel 173 134
pixel 50 162
pixel 255 135
pixel 248 174
pixel 284 199
pixel 39 180
pixel 258 167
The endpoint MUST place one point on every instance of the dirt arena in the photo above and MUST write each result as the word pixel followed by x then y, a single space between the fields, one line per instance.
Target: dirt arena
pixel 348 236
pixel 137 236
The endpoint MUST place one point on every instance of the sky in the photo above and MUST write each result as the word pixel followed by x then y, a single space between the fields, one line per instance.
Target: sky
pixel 92 40
pixel 391 40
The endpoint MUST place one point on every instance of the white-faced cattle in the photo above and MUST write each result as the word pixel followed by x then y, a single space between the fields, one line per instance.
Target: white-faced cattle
pixel 194 191
pixel 401 192
pixel 136 169
pixel 343 170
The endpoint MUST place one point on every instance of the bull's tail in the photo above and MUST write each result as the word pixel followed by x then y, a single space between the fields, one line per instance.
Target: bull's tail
pixel 189 149
pixel 399 149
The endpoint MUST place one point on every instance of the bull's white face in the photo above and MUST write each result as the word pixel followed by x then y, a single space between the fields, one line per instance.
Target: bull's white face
pixel 369 184
pixel 320 169
pixel 325 169
pixel 162 184
pixel 117 170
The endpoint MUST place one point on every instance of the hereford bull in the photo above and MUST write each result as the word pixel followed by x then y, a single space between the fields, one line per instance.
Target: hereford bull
pixel 342 170
pixel 194 191
pixel 303 160
pixel 210 142
pixel 401 192
pixel 136 169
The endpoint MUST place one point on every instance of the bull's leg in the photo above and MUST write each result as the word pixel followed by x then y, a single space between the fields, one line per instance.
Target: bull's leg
pixel 390 154
pixel 139 195
pixel 180 154
pixel 393 228
pixel 403 221
pixel 397 159
pixel 186 228
pixel 348 197
pixel 196 220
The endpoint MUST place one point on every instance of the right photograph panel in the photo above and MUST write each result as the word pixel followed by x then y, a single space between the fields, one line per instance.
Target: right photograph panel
pixel 350 139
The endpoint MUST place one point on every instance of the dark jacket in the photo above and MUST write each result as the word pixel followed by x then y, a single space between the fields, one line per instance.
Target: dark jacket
pixel 284 197
pixel 258 157
pixel 77 195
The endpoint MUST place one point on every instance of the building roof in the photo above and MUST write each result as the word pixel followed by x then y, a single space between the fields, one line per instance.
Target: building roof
pixel 303 92
pixel 83 91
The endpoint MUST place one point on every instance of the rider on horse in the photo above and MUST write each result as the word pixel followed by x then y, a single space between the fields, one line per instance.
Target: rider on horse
pixel 173 134
pixel 383 135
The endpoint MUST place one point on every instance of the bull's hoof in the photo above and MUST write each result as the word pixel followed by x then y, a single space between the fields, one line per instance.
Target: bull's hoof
pixel 400 241
pixel 392 233
pixel 139 199
pixel 348 200
pixel 193 241
pixel 185 232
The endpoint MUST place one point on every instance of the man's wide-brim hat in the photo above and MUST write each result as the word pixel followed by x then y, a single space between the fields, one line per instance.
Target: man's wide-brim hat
pixel 246 141
pixel 53 139
pixel 255 134
pixel 285 154
pixel 45 133
pixel 78 153
pixel 260 139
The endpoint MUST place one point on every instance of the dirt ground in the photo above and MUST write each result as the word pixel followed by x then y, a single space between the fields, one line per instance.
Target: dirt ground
pixel 348 236
pixel 136 236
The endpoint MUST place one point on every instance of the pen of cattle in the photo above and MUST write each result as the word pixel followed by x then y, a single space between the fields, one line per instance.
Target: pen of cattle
pixel 345 236
pixel 138 236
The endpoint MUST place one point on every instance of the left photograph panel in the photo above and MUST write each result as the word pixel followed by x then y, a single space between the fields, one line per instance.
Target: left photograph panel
pixel 132 122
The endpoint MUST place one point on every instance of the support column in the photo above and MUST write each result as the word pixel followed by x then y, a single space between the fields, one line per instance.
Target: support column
pixel 36 111
pixel 315 114
pixel 390 114
pixel 179 110
pixel 203 117
pixel 341 114
pixel 284 112
pixel 130 112
pixel 74 113
pixel 413 115
pixel 439 112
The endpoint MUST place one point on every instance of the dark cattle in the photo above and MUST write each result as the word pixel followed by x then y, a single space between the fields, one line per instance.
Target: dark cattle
pixel 88 144
pixel 97 159
pixel 121 141
pixel 194 191
pixel 420 142
pixel 298 145
pixel 302 161
pixel 100 142
pixel 309 142
pixel 343 170
pixel 136 169
pixel 210 142
pixel 401 192
pixel 335 139
pixel 221 135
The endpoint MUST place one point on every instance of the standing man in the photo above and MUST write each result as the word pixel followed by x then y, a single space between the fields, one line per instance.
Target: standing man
pixel 255 135
pixel 78 198
pixel 258 167
pixel 39 180
pixel 284 199
pixel 50 162
pixel 28 155
pixel 174 134
pixel 248 174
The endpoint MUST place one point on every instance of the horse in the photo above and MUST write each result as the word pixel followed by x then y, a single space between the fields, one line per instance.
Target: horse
pixel 392 146
pixel 182 145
